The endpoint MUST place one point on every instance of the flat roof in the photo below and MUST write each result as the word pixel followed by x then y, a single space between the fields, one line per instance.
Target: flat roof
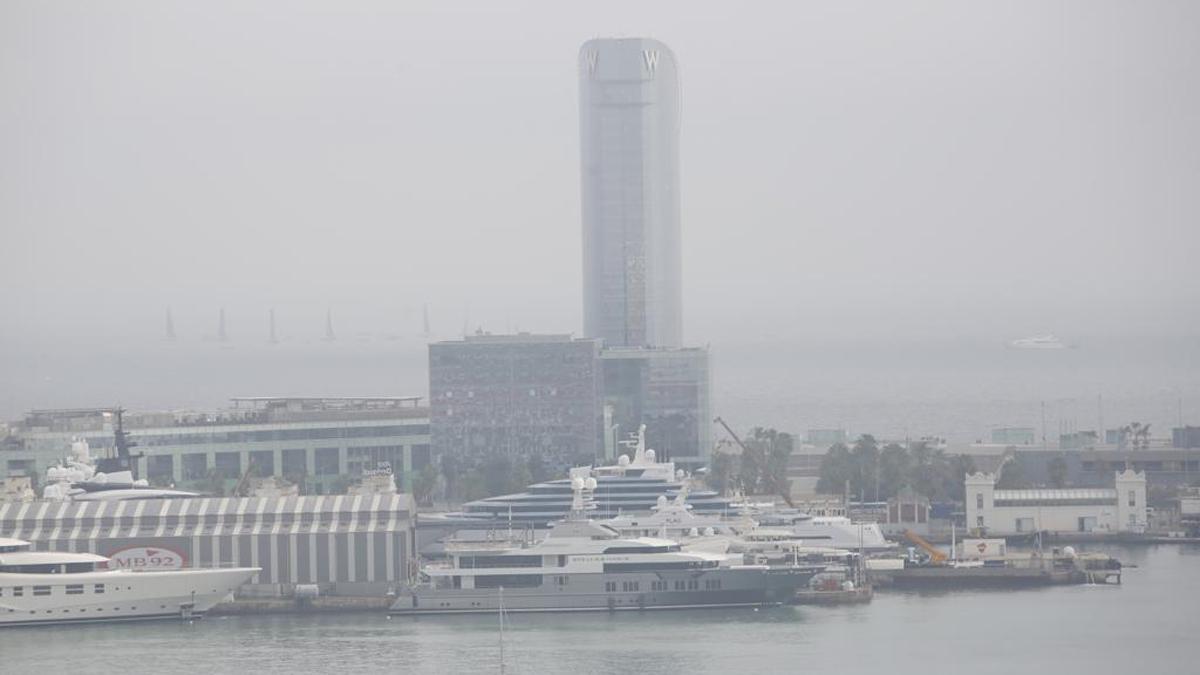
pixel 405 399
pixel 1054 495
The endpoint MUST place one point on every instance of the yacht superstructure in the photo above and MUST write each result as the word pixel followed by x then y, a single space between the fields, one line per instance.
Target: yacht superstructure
pixel 44 587
pixel 75 478
pixel 828 532
pixel 675 519
pixel 633 484
pixel 585 565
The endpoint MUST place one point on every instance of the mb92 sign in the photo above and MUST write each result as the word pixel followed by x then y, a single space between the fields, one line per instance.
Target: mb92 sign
pixel 147 558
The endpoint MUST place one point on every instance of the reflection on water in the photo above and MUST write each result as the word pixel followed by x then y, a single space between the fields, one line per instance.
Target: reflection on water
pixel 1144 625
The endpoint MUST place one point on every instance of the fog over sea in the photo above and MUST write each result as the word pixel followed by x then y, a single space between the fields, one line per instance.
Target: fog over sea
pixel 894 387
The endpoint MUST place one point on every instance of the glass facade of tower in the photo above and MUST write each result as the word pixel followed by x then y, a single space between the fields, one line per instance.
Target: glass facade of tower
pixel 629 146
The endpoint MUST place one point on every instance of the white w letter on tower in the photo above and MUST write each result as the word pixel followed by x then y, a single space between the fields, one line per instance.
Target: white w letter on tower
pixel 589 59
pixel 650 56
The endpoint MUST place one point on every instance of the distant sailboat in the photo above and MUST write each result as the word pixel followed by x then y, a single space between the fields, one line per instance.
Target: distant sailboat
pixel 170 326
pixel 329 336
pixel 222 336
pixel 272 338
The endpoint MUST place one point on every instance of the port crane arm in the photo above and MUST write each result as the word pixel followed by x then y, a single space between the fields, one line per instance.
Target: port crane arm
pixel 936 556
pixel 780 485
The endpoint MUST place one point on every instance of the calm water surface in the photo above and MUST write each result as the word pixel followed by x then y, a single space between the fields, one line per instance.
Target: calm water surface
pixel 1146 625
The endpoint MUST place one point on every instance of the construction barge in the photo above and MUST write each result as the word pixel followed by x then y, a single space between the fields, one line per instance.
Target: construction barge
pixel 1005 576
pixel 987 563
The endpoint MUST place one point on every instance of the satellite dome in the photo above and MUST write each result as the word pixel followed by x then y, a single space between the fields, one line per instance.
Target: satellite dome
pixel 708 531
pixel 650 455
pixel 662 501
pixel 623 460
pixel 576 483
pixel 590 483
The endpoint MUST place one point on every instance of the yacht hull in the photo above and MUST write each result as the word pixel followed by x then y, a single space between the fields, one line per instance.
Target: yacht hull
pixel 723 587
pixel 105 596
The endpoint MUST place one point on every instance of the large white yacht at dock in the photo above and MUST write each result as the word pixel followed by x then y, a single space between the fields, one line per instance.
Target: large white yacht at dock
pixel 830 531
pixel 44 587
pixel 584 565
pixel 633 484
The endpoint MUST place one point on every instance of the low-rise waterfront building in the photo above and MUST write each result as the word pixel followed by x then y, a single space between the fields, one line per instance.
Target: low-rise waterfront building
pixel 320 443
pixel 1013 436
pixel 1121 508
pixel 346 545
pixel 1185 437
pixel 823 438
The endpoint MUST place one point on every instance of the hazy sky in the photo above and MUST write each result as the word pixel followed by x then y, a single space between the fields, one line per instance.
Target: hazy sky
pixel 944 167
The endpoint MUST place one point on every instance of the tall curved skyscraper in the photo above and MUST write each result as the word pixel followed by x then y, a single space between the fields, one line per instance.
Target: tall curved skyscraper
pixel 629 132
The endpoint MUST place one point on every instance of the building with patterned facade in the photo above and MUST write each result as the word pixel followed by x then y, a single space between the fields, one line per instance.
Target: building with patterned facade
pixel 346 545
pixel 516 395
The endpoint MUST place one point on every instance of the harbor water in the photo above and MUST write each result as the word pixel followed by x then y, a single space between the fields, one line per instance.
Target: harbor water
pixel 1146 624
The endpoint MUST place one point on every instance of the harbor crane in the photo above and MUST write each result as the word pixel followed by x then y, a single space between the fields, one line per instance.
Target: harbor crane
pixel 781 483
pixel 936 556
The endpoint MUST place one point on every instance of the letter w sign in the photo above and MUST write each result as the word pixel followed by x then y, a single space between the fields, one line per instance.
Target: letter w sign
pixel 650 57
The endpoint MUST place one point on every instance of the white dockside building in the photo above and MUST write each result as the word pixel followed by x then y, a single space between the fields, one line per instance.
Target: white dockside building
pixel 1121 508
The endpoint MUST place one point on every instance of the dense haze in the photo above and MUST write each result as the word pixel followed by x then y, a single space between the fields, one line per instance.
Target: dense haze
pixel 894 172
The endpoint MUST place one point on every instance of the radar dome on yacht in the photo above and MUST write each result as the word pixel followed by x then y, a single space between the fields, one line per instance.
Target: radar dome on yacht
pixel 590 483
pixel 708 531
pixel 661 501
pixel 623 460
pixel 577 483
pixel 650 455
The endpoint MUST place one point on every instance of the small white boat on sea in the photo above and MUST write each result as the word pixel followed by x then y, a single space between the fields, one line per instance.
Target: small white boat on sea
pixel 1047 341
pixel 51 587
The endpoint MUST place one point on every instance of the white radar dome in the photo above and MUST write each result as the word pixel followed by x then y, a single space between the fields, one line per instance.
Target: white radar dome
pixel 590 483
pixel 662 501
pixel 1069 551
pixel 623 460
pixel 650 455
pixel 577 483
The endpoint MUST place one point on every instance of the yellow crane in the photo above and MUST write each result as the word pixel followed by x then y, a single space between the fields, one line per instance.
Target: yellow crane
pixel 936 556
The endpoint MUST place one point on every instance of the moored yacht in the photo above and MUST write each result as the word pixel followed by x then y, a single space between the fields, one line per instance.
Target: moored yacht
pixel 675 519
pixel 830 532
pixel 632 485
pixel 585 565
pixel 44 587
